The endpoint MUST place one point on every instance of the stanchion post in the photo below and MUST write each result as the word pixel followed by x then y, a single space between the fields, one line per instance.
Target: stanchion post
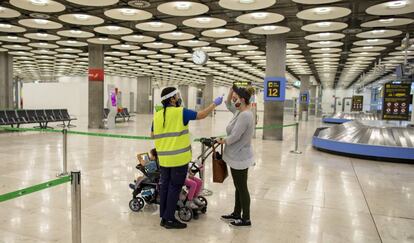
pixel 76 207
pixel 296 150
pixel 65 153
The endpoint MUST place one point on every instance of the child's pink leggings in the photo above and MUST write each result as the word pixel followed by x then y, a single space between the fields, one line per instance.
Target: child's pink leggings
pixel 194 186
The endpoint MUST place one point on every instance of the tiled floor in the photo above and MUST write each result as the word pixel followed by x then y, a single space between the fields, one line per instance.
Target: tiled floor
pixel 312 197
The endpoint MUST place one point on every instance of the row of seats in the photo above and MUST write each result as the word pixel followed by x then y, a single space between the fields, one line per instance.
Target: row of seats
pixel 42 117
pixel 121 114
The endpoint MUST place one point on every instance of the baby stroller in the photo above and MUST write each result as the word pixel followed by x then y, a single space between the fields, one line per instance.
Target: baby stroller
pixel 147 191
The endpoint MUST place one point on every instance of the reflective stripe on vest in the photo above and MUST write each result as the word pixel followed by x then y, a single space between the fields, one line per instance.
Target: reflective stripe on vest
pixel 172 134
pixel 172 141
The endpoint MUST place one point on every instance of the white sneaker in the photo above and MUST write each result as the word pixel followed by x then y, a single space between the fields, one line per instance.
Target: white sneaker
pixel 198 202
pixel 192 205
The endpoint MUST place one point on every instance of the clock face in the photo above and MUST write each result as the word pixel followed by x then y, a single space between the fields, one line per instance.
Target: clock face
pixel 200 57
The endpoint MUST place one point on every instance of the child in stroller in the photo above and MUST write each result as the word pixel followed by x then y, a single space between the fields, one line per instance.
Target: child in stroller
pixel 146 188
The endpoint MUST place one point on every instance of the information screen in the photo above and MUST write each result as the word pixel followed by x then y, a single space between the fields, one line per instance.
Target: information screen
pixel 304 97
pixel 357 103
pixel 396 101
pixel 275 89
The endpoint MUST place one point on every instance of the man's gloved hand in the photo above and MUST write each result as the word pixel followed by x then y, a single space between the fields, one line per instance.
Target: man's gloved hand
pixel 218 101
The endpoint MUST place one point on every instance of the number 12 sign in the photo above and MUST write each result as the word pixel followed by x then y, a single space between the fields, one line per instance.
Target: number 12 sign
pixel 274 88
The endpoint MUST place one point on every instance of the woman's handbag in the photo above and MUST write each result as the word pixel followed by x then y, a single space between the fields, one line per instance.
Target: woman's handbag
pixel 220 171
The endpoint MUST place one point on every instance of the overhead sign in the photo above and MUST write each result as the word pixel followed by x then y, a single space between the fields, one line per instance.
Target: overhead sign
pixel 396 101
pixel 274 89
pixel 357 103
pixel 304 97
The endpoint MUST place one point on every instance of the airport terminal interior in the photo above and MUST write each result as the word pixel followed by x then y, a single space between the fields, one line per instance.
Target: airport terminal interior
pixel 81 82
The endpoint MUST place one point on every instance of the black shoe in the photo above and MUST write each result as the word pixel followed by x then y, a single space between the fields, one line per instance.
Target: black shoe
pixel 231 216
pixel 174 224
pixel 162 223
pixel 132 186
pixel 241 222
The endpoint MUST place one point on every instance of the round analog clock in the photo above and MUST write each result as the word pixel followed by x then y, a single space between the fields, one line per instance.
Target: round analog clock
pixel 200 57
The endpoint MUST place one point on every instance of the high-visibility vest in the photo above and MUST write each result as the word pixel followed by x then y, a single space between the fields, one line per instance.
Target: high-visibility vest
pixel 172 141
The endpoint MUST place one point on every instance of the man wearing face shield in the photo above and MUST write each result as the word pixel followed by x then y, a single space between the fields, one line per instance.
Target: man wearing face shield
pixel 173 145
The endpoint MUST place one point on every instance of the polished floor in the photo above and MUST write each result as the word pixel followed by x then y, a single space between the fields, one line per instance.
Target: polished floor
pixel 311 197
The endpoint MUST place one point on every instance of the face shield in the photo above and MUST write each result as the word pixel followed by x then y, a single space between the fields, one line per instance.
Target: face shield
pixel 179 101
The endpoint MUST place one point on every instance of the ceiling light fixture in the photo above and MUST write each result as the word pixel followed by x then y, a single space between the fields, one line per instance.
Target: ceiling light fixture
pixel 41 21
pixel 246 1
pixel 113 28
pixel 76 32
pixel 103 39
pixel 269 27
pixel 39 2
pixel 367 47
pixel 323 24
pixel 372 40
pixel 81 16
pixel 259 15
pixel 42 35
pixel 177 33
pixel 5 26
pixel 155 24
pixel 203 20
pixel 322 11
pixel 397 4
pixel 128 11
pixel 324 34
pixel 183 6
pixel 325 42
pixel 378 32
pixel 387 21
pixel 233 39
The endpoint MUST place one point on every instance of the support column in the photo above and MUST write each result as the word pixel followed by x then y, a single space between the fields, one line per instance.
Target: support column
pixel 208 91
pixel 96 86
pixel 275 67
pixel 144 95
pixel 312 105
pixel 6 81
pixel 304 87
pixel 319 101
pixel 184 94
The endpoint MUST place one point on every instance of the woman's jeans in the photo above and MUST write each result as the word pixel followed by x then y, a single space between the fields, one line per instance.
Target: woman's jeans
pixel 242 197
pixel 172 181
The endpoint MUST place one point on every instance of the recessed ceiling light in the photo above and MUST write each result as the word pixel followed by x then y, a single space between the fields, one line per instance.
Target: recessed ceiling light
pixel 157 43
pixel 378 32
pixel 323 24
pixel 367 47
pixel 269 28
pixel 81 16
pixel 203 20
pixel 6 26
pixel 220 30
pixel 39 2
pixel 372 40
pixel 387 20
pixel 42 34
pixel 182 6
pixel 72 42
pixel 247 1
pixel 321 11
pixel 233 39
pixel 77 32
pixel 128 11
pixel 259 15
pixel 155 24
pixel 125 46
pixel 177 33
pixel 113 28
pixel 103 39
pixel 41 21
pixel 325 42
pixel 324 34
pixel 397 4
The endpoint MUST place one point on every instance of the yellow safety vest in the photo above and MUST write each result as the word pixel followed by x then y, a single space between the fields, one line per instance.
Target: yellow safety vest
pixel 172 141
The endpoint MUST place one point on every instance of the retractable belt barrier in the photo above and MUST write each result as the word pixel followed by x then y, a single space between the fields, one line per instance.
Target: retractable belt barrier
pixel 74 179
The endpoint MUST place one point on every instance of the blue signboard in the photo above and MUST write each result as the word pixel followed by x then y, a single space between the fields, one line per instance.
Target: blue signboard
pixel 274 88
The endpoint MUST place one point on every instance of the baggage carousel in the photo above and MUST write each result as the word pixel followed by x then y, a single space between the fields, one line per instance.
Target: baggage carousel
pixel 342 117
pixel 380 140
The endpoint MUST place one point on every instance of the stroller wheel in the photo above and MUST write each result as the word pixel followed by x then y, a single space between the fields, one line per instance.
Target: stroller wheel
pixel 203 200
pixel 136 204
pixel 185 214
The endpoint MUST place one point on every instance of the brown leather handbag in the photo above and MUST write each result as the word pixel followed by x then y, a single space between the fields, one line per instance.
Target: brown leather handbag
pixel 220 171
